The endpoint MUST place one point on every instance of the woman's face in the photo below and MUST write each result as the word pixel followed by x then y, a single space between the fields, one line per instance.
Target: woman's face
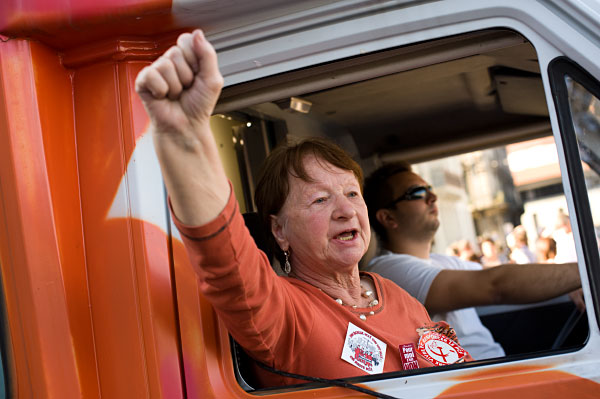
pixel 324 223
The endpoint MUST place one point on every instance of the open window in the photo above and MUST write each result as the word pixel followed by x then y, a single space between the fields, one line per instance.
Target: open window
pixel 489 200
pixel 470 113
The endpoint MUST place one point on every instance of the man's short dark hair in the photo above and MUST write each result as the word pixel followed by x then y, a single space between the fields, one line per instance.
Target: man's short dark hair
pixel 378 192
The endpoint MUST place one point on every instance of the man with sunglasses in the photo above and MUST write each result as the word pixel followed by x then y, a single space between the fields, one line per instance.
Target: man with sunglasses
pixel 403 212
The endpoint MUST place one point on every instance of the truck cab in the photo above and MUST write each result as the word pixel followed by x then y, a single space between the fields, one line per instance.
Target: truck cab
pixel 495 103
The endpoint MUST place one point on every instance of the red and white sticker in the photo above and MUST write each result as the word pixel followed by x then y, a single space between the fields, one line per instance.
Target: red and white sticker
pixel 440 350
pixel 363 350
pixel 408 355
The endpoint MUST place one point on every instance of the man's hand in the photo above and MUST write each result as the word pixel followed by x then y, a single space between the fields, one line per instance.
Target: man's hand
pixel 577 298
pixel 179 90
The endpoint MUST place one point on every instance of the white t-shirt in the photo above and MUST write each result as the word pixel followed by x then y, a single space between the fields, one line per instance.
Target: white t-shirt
pixel 565 247
pixel 415 275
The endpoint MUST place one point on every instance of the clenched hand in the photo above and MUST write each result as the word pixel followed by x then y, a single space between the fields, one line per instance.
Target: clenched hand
pixel 180 89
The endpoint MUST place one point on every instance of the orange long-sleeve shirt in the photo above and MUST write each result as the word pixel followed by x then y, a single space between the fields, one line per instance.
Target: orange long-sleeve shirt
pixel 284 322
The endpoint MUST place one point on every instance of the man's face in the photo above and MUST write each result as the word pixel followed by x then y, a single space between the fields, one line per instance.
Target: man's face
pixel 418 217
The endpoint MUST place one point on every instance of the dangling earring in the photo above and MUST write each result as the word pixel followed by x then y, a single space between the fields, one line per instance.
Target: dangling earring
pixel 287 268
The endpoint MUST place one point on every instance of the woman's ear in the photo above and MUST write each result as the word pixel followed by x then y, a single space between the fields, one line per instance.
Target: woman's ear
pixel 386 219
pixel 278 230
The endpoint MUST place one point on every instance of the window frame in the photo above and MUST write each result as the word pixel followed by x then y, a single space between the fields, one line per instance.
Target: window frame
pixel 558 68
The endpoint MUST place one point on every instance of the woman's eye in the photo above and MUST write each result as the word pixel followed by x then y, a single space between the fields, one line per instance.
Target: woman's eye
pixel 319 200
pixel 353 194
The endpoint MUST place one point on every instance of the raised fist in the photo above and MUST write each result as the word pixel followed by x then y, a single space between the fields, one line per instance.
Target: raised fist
pixel 179 90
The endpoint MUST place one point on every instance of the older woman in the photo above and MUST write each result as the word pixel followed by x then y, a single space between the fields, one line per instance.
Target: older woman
pixel 325 319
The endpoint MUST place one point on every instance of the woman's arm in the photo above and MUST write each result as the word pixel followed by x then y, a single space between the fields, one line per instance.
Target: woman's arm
pixel 179 91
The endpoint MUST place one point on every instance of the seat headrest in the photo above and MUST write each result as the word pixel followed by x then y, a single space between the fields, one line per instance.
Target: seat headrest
pixel 257 231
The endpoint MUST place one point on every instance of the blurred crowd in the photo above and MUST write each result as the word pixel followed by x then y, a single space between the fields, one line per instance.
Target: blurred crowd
pixel 553 244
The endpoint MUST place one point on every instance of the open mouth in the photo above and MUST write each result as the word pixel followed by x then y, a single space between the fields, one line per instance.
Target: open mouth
pixel 347 235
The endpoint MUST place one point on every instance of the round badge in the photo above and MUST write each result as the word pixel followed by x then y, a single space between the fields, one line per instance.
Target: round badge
pixel 440 350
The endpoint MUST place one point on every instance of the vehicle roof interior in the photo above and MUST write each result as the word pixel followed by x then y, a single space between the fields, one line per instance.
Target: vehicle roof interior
pixel 417 102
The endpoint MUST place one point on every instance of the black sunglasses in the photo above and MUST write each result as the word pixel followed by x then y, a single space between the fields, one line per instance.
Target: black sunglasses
pixel 413 194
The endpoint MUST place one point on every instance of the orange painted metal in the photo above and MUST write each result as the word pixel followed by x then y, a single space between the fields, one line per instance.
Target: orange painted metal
pixel 49 330
pixel 64 24
pixel 55 105
pixel 131 294
pixel 90 301
pixel 108 307
pixel 523 382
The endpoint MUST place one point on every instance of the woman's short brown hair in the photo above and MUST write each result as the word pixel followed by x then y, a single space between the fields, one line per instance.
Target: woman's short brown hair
pixel 287 160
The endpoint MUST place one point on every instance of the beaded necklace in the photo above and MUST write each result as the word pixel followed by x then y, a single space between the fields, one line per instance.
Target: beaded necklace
pixel 365 293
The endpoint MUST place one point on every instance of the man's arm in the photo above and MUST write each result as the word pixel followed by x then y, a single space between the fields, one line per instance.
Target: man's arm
pixel 508 284
pixel 179 91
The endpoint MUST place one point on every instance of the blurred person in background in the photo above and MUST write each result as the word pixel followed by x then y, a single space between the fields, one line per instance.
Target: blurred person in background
pixel 466 252
pixel 563 236
pixel 520 253
pixel 491 256
pixel 545 249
